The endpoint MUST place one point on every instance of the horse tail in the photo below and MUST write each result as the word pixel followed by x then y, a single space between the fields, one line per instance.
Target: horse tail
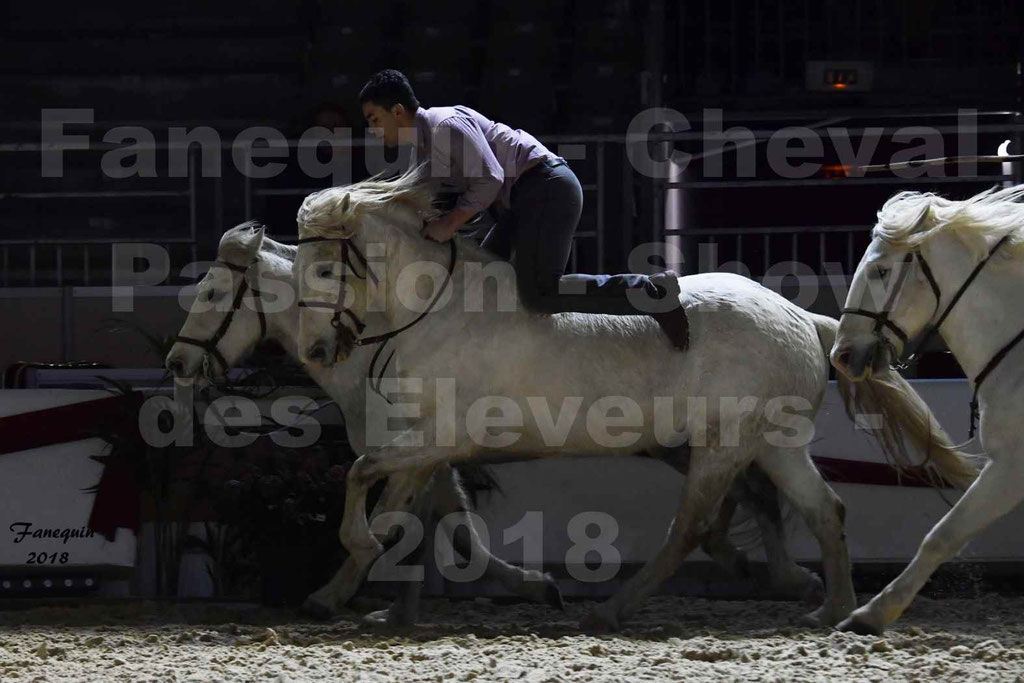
pixel 904 418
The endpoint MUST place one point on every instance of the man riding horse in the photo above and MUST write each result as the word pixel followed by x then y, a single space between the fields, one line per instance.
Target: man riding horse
pixel 534 194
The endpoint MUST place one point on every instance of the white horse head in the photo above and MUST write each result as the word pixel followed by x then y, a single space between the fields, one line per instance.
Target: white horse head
pixel 922 252
pixel 247 286
pixel 889 299
pixel 346 234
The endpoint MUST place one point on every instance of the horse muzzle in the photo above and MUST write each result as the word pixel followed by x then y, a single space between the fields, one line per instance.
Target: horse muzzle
pixel 183 365
pixel 858 362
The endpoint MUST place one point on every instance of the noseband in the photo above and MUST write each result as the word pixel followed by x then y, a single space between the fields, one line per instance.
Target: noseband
pixel 883 322
pixel 210 345
pixel 339 309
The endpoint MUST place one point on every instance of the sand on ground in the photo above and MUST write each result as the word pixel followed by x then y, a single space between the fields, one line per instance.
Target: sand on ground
pixel 669 639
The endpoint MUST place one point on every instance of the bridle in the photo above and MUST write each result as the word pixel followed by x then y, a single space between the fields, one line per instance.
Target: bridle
pixel 210 345
pixel 349 248
pixel 910 353
pixel 884 322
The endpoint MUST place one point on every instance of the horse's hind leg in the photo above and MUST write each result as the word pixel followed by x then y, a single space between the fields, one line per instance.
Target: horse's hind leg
pixel 716 542
pixel 799 480
pixel 754 491
pixel 787 579
pixel 710 473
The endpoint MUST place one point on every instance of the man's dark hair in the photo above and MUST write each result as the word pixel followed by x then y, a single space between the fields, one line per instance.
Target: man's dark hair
pixel 387 88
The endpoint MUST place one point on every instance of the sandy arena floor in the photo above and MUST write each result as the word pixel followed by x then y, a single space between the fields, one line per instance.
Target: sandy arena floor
pixel 671 639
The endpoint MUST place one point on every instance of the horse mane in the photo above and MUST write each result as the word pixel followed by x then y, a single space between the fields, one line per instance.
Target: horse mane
pixel 979 222
pixel 272 247
pixel 335 211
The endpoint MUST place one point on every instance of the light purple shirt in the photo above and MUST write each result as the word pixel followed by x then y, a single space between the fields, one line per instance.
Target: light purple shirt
pixel 474 156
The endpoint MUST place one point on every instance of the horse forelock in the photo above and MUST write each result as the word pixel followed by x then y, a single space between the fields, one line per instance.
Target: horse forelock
pixel 899 220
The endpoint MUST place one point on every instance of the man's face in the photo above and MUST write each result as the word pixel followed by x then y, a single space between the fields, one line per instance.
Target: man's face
pixel 384 123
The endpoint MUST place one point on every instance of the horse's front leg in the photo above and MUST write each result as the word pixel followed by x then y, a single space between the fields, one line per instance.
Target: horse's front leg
pixel 355 532
pixel 327 600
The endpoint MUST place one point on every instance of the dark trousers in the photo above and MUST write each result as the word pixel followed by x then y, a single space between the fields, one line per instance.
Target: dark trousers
pixel 536 233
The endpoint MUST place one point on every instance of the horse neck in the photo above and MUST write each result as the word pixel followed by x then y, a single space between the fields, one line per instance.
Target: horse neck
pixel 988 315
pixel 466 285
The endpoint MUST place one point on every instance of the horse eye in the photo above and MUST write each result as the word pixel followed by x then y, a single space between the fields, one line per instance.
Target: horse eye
pixel 883 272
pixel 325 272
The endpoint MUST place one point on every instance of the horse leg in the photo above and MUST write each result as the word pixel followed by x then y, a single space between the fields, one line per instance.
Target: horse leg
pixel 787 580
pixel 332 596
pixel 998 490
pixel 716 543
pixel 355 533
pixel 754 491
pixel 451 506
pixel 799 480
pixel 404 611
pixel 710 473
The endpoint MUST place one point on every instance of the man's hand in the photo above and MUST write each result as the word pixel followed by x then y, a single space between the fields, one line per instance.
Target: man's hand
pixel 440 230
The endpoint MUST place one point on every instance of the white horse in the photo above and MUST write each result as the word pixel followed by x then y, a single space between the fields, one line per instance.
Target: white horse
pixel 952 268
pixel 233 311
pixel 252 289
pixel 745 392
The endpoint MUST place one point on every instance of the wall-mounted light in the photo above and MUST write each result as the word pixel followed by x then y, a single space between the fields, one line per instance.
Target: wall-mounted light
pixel 824 76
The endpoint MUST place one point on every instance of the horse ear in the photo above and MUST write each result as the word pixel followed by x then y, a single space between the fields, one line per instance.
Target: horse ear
pixel 252 241
pixel 345 202
pixel 241 241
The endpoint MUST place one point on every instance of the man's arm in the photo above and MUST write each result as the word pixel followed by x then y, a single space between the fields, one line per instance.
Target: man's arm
pixel 461 150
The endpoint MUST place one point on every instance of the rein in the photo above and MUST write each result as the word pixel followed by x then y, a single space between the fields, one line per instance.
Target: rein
pixel 339 309
pixel 210 345
pixel 882 321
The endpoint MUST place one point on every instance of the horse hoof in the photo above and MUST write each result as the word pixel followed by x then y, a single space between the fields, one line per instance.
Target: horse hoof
pixel 811 620
pixel 376 619
pixel 861 628
pixel 597 621
pixel 819 618
pixel 390 618
pixel 804 587
pixel 553 596
pixel 814 590
pixel 316 609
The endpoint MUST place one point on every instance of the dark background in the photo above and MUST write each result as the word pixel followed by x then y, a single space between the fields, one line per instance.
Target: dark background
pixel 560 66
pixel 569 71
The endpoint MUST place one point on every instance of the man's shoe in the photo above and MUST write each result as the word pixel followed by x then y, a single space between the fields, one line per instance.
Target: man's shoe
pixel 667 285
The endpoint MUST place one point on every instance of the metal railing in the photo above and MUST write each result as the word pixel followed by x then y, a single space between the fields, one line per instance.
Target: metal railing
pixel 758 248
pixel 74 259
pixel 609 230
